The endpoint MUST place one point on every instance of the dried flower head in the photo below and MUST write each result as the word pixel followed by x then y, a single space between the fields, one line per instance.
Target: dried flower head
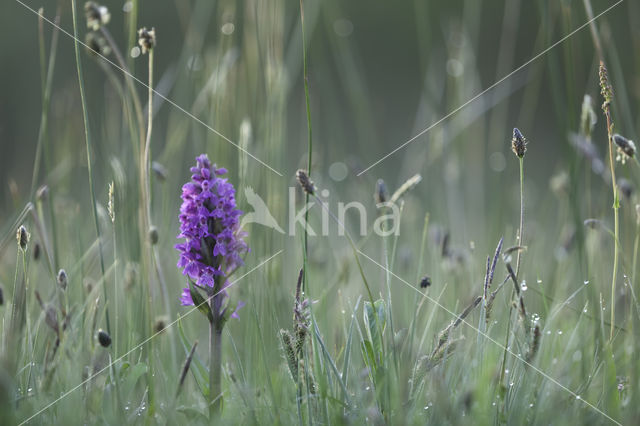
pixel 305 182
pixel 62 279
pixel 104 338
pixel 625 148
pixel 213 244
pixel 96 15
pixel 381 195
pixel 518 143
pixel 22 236
pixel 146 39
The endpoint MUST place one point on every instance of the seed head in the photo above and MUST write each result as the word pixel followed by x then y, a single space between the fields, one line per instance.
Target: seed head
pixel 36 251
pixel 381 195
pixel 305 182
pixel 605 87
pixel 1 296
pixel 104 338
pixel 97 44
pixel 62 279
pixel 588 118
pixel 153 235
pixel 96 15
pixel 625 147
pixel 518 143
pixel 42 193
pixel 425 282
pixel 111 203
pixel 22 236
pixel 146 39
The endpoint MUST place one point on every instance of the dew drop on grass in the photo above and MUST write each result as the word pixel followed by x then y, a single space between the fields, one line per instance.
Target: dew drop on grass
pixel 530 405
pixel 506 371
pixel 586 282
pixel 578 397
pixel 539 281
pixel 524 286
pixel 559 332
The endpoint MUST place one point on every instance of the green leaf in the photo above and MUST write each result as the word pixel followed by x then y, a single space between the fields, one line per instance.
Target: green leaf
pixel 375 321
pixel 200 302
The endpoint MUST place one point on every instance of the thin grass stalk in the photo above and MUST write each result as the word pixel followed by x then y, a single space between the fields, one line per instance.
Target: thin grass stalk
pixel 309 138
pixel 87 135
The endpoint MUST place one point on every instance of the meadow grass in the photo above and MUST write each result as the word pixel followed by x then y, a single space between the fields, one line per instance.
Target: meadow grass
pixel 473 312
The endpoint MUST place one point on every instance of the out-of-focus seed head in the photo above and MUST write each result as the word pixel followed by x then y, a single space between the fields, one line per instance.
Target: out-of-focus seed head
pixel 305 182
pixel 381 195
pixel 63 280
pixel 588 118
pixel 104 339
pixel 22 236
pixel 111 203
pixel 518 143
pixel 42 193
pixel 36 251
pixel 1 296
pixel 96 15
pixel 160 324
pixel 160 171
pixel 425 282
pixel 97 44
pixel 153 235
pixel 625 148
pixel 146 39
pixel 626 188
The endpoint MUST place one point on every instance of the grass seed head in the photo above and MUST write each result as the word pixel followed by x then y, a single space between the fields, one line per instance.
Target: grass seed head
pixel 62 279
pixel 146 39
pixel 305 182
pixel 425 282
pixel 625 147
pixel 381 195
pixel 153 235
pixel 104 338
pixel 42 193
pixel 605 87
pixel 22 236
pixel 96 15
pixel 518 143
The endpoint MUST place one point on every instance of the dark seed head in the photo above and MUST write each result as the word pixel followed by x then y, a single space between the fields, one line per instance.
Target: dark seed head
pixel 425 282
pixel 104 338
pixel 305 182
pixel 153 235
pixel 96 15
pixel 1 296
pixel 625 146
pixel 381 195
pixel 518 143
pixel 62 279
pixel 36 251
pixel 22 236
pixel 146 39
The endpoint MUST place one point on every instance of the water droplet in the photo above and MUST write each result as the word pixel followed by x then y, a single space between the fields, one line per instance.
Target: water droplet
pixel 367 388
pixel 586 282
pixel 578 397
pixel 539 281
pixel 530 405
pixel 559 332
pixel 548 331
pixel 524 286
pixel 494 404
pixel 506 371
pixel 510 384
pixel 426 407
